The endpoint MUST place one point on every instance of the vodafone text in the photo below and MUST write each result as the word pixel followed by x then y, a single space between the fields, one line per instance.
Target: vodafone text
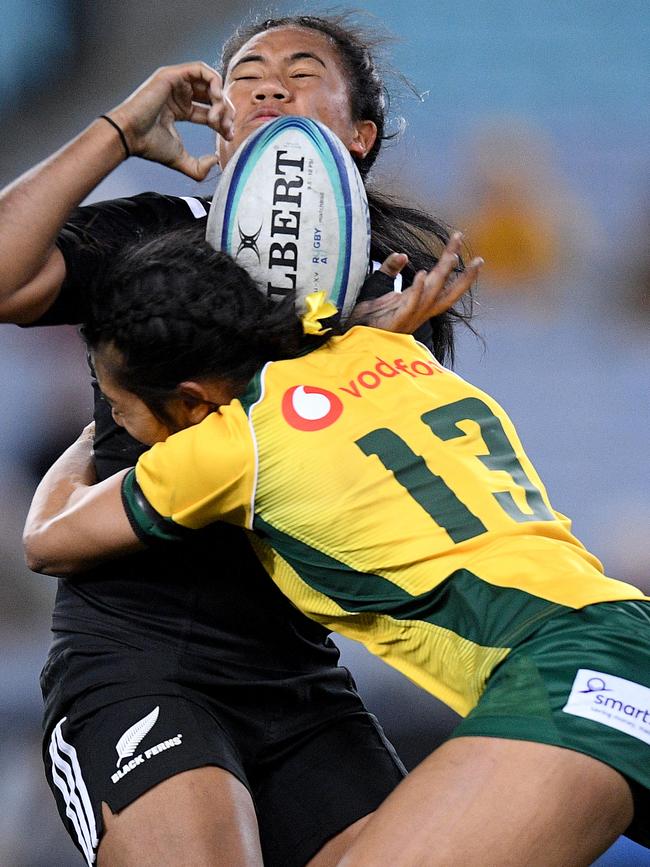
pixel 374 376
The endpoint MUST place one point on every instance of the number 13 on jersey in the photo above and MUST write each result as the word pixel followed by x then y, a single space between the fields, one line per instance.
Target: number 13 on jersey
pixel 433 494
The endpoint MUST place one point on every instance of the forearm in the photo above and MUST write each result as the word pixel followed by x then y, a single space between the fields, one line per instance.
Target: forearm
pixel 74 523
pixel 35 207
pixel 33 210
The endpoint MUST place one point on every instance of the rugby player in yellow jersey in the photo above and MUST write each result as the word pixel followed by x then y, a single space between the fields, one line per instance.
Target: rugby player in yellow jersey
pixel 391 501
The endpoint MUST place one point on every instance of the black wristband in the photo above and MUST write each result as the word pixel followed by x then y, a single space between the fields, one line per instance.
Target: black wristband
pixel 119 131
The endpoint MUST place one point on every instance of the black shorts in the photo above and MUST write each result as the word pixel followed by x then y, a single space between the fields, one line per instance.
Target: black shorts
pixel 312 757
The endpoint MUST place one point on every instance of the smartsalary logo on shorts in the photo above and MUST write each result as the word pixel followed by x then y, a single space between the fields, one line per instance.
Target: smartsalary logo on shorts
pixel 613 701
pixel 130 741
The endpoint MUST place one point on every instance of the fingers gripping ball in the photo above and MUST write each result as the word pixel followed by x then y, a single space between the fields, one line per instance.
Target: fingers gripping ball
pixel 291 208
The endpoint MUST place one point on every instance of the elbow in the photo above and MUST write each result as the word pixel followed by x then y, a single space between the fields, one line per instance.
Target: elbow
pixel 42 567
pixel 35 557
pixel 41 559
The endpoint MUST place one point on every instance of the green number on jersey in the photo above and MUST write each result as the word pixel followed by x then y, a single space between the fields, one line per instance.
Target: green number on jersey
pixel 432 493
pixel 444 424
pixel 428 490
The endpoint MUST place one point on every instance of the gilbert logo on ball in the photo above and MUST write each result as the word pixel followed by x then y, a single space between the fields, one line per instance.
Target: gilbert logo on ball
pixel 291 208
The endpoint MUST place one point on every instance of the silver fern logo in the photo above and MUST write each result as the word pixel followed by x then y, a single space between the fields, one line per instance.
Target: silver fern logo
pixel 130 740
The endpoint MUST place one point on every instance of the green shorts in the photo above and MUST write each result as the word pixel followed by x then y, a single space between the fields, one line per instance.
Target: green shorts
pixel 580 681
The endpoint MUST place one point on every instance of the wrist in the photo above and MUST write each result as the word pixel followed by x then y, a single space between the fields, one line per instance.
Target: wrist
pixel 119 132
pixel 108 148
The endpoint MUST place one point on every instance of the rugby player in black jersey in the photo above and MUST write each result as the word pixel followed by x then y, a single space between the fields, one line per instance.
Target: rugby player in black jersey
pixel 189 720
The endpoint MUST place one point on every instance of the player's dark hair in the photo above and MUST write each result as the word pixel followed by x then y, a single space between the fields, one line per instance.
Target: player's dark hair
pixel 395 226
pixel 178 310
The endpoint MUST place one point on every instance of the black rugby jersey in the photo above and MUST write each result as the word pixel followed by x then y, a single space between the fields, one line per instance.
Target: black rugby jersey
pixel 169 598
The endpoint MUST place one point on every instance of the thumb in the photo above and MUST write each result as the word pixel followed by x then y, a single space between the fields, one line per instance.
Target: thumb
pixel 196 168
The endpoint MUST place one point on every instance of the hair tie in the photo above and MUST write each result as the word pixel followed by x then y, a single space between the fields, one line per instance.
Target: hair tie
pixel 318 307
pixel 119 131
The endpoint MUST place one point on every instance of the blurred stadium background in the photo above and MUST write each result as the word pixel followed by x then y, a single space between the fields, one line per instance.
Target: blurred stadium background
pixel 530 133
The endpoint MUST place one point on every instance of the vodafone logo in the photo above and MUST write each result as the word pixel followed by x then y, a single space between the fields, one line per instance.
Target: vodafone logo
pixel 307 408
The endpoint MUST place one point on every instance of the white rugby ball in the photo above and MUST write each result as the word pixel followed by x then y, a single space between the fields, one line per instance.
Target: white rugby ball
pixel 291 208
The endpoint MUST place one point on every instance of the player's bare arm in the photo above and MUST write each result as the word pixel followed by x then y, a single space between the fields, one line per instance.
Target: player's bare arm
pixel 34 208
pixel 71 518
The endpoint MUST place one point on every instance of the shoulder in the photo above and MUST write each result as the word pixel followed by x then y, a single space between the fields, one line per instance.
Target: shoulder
pixel 150 211
pixel 95 230
pixel 203 473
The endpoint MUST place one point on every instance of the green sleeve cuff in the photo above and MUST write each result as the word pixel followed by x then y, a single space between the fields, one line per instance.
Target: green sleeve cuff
pixel 149 525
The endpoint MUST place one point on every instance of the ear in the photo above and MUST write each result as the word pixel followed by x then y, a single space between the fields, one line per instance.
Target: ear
pixel 191 404
pixel 364 138
pixel 195 400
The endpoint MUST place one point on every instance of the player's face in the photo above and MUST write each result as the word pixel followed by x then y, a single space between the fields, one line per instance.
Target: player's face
pixel 291 71
pixel 128 410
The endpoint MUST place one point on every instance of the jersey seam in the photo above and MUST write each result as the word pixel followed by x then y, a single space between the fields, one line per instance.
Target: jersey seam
pixel 256 463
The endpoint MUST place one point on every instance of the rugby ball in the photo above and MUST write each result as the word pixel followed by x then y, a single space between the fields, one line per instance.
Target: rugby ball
pixel 291 208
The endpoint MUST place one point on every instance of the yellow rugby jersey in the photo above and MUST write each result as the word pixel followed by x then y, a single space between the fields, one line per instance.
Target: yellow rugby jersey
pixel 389 500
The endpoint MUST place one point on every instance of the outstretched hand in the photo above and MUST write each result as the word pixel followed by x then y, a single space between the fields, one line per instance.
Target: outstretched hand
pixel 430 294
pixel 186 92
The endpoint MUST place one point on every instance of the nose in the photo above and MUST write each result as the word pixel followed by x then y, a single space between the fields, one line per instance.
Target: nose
pixel 270 88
